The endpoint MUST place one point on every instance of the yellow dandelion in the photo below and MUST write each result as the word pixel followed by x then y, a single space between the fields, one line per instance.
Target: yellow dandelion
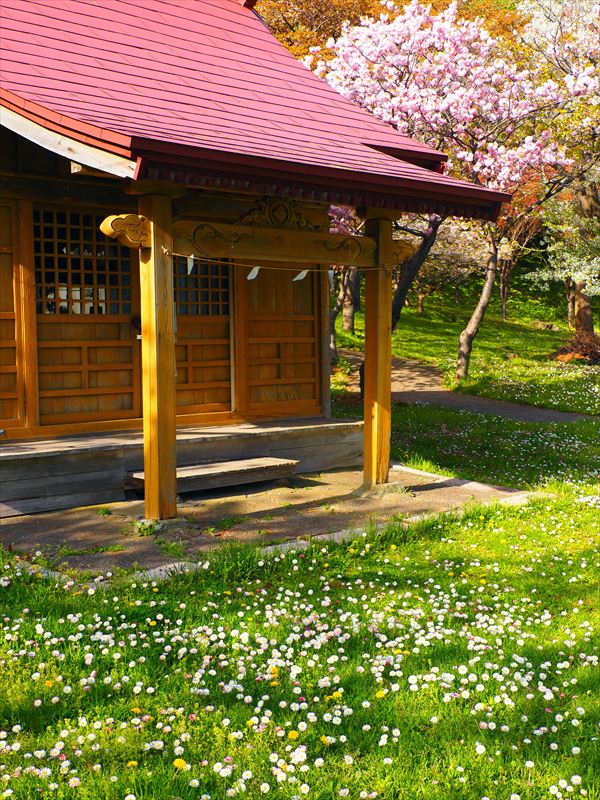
pixel 380 694
pixel 293 735
pixel 132 763
pixel 179 763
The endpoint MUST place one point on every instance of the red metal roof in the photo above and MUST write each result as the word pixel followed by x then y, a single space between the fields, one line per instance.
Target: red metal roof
pixel 204 83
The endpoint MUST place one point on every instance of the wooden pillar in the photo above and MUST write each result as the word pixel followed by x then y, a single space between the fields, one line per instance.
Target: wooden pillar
pixel 378 356
pixel 158 360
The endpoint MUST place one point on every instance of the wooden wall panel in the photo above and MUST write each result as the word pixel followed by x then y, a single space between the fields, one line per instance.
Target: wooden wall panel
pixel 203 349
pixel 11 383
pixel 87 298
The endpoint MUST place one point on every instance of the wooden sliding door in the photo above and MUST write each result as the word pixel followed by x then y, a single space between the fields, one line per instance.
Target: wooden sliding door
pixel 278 342
pixel 87 306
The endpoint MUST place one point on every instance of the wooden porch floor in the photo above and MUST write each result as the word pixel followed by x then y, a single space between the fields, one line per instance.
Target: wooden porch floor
pixel 70 471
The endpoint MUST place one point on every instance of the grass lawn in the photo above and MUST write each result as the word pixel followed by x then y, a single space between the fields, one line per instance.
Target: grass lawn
pixel 489 449
pixel 456 659
pixel 510 359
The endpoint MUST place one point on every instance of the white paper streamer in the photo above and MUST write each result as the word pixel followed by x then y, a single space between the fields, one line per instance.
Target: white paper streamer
pixel 190 264
pixel 301 275
pixel 253 273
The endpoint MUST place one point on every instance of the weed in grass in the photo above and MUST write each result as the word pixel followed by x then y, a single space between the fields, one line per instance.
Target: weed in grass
pixel 227 523
pixel 103 512
pixel 144 527
pixel 172 549
pixel 64 550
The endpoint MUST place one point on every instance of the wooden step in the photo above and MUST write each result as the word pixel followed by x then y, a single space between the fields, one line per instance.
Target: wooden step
pixel 216 474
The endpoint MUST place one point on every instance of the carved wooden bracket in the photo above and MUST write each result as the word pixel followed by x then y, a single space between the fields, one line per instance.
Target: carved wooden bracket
pixel 130 230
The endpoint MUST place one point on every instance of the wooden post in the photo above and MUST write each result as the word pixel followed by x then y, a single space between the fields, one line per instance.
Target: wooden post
pixel 378 356
pixel 158 360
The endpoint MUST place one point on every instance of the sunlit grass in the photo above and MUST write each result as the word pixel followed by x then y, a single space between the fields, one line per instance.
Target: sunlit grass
pixel 511 360
pixel 453 659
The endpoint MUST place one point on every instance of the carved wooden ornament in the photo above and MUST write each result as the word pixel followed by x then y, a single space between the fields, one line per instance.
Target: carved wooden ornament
pixel 130 230
pixel 276 212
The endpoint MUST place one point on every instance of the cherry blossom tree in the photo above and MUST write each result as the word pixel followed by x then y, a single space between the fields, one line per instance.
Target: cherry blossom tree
pixel 448 82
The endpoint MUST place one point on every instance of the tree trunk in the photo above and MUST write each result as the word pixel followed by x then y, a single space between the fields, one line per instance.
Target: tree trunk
pixel 584 321
pixel 420 301
pixel 340 289
pixel 351 299
pixel 465 341
pixel 457 295
pixel 503 291
pixel 412 267
pixel 570 294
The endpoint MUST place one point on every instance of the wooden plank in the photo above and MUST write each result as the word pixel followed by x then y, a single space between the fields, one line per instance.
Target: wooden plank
pixel 324 339
pixel 219 240
pixel 199 477
pixel 378 357
pixel 240 341
pixel 158 360
pixel 65 465
pixel 31 487
pixel 67 147
pixel 35 505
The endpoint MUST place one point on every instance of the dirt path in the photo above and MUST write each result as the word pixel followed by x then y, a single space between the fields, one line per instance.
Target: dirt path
pixel 304 505
pixel 414 383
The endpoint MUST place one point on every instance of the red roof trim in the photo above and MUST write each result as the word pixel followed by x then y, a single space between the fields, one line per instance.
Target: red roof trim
pixel 195 159
pixel 101 138
pixel 349 190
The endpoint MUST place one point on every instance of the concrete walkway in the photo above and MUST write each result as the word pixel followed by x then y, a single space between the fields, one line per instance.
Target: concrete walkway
pixel 416 383
pixel 103 539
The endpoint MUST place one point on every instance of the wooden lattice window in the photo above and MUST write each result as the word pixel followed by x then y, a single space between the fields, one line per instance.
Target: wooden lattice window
pixel 79 270
pixel 201 288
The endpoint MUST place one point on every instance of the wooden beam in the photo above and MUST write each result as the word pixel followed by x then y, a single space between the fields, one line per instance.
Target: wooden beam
pixel 378 356
pixel 158 360
pixel 93 193
pixel 219 240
